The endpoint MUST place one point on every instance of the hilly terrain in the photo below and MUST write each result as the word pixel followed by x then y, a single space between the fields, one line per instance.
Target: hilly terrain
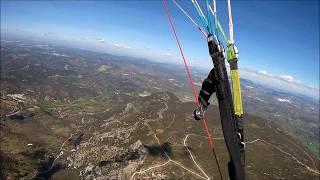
pixel 75 114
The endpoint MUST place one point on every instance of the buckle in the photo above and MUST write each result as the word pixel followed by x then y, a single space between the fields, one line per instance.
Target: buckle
pixel 242 144
pixel 198 113
pixel 239 134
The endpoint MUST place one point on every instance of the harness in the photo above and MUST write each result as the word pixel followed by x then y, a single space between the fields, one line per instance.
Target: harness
pixel 230 104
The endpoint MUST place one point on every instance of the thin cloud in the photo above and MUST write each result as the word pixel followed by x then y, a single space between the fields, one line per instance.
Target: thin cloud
pixel 124 46
pixel 168 53
pixel 48 34
pixel 290 79
pixel 287 78
pixel 265 73
pixel 101 40
pixel 285 82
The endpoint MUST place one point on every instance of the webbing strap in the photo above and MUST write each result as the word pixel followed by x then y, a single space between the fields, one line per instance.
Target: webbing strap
pixel 230 23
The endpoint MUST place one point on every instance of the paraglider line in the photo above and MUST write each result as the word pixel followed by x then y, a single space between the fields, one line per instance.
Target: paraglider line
pixel 207 131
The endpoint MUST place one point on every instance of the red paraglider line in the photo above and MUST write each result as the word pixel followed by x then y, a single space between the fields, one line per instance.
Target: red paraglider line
pixel 205 123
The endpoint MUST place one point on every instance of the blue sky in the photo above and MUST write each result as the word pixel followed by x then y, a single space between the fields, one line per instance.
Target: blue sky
pixel 277 39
